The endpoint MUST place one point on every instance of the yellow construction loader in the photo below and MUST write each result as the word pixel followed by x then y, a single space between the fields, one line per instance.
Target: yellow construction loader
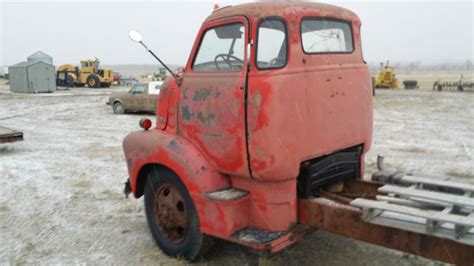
pixel 386 77
pixel 89 73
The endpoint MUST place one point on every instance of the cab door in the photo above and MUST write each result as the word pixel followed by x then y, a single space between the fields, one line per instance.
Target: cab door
pixel 152 96
pixel 211 107
pixel 134 99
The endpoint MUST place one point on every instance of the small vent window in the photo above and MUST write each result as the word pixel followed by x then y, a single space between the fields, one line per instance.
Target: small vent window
pixel 271 44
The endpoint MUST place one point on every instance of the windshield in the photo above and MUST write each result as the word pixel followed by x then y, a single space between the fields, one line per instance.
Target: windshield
pixel 221 49
pixel 137 89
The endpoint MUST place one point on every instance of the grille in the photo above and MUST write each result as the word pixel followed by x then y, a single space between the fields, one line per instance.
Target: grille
pixel 327 169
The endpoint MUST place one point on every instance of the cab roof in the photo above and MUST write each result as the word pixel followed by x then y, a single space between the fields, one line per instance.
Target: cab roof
pixel 258 10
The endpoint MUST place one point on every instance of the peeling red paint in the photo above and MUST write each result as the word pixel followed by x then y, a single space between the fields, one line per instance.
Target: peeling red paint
pixel 210 134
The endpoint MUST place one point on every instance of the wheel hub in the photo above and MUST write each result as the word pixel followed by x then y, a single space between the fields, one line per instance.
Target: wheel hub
pixel 170 213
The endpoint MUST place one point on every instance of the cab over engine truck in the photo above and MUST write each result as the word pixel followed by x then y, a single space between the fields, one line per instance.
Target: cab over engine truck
pixel 261 138
pixel 89 73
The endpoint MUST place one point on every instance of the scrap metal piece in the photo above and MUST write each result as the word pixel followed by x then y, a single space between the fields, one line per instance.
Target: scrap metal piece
pixel 384 175
pixel 9 135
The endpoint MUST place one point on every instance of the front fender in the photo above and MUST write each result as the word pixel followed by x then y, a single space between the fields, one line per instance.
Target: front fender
pixel 157 147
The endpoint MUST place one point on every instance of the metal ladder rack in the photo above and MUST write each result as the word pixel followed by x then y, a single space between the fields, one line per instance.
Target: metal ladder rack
pixel 426 205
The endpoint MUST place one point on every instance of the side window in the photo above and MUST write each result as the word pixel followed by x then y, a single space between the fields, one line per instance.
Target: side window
pixel 326 36
pixel 221 49
pixel 138 89
pixel 272 44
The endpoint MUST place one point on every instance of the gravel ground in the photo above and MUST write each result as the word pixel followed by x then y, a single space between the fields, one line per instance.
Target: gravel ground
pixel 61 200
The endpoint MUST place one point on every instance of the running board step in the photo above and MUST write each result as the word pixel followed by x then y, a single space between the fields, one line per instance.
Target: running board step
pixel 256 235
pixel 229 194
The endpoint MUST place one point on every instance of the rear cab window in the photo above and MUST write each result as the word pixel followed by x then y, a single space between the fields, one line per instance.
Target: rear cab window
pixel 272 44
pixel 221 49
pixel 320 36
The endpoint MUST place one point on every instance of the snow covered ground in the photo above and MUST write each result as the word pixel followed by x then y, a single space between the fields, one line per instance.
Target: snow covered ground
pixel 61 195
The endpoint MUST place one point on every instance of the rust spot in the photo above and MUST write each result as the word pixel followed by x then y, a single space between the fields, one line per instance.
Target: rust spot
pixel 184 93
pixel 201 94
pixel 174 144
pixel 205 119
pixel 187 115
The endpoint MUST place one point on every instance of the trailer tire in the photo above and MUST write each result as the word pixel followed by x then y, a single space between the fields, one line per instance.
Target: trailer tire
pixel 172 216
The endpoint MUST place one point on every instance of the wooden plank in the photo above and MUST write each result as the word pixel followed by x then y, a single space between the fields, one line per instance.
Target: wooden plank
pixel 409 202
pixel 427 214
pixel 410 223
pixel 437 182
pixel 461 201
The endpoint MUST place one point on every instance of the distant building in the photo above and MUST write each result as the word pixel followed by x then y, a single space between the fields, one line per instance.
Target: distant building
pixel 5 72
pixel 40 56
pixel 32 77
pixel 36 75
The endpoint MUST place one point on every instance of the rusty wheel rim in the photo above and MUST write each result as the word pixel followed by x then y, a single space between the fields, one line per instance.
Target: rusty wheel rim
pixel 170 213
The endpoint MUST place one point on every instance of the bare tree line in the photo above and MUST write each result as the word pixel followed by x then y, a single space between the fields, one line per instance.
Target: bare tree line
pixel 418 65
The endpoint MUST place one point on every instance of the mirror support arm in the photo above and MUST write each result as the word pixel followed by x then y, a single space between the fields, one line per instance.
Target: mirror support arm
pixel 159 60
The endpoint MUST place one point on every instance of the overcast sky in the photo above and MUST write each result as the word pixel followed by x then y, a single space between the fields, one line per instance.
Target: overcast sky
pixel 429 31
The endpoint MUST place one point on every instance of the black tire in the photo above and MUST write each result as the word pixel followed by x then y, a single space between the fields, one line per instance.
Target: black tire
pixel 69 81
pixel 118 108
pixel 106 85
pixel 191 242
pixel 80 85
pixel 93 81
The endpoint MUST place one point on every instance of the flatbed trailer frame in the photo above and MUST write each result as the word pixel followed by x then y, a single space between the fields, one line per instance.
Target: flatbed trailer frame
pixel 347 214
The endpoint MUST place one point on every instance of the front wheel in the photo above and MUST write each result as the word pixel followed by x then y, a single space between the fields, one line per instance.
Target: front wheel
pixel 118 108
pixel 69 81
pixel 93 81
pixel 172 216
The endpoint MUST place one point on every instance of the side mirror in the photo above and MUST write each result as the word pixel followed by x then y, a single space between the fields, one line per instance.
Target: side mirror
pixel 135 36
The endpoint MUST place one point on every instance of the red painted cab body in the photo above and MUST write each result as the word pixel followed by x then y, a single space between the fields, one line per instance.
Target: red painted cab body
pixel 275 101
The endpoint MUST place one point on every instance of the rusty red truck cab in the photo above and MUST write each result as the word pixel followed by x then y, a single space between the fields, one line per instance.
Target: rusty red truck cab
pixel 274 103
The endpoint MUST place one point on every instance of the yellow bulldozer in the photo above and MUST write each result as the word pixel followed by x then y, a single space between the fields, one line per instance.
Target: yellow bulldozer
pixel 89 74
pixel 386 77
